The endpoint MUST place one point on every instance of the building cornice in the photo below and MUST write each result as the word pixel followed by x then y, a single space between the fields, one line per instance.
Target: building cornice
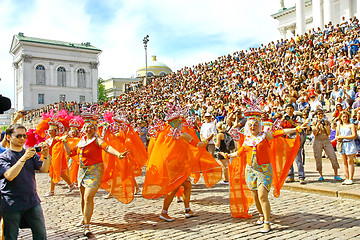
pixel 27 57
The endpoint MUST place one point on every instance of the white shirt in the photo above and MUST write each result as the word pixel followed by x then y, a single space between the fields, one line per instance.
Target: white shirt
pixel 207 129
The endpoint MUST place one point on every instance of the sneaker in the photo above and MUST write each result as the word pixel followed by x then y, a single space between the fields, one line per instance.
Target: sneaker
pixel 224 182
pixel 337 178
pixel 290 180
pixel 166 217
pixel 321 178
pixel 266 228
pixel 71 188
pixel 302 181
pixel 189 213
pixel 349 182
pixel 49 194
pixel 345 182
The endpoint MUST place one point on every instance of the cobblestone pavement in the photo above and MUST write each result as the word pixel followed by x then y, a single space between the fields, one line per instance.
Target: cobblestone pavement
pixel 295 215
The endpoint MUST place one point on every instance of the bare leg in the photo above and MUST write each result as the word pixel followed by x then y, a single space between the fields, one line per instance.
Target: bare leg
pixel 88 199
pixel 346 168
pixel 351 166
pixel 82 191
pixel 187 193
pixel 66 178
pixel 167 201
pixel 52 186
pixel 224 169
pixel 265 205
pixel 258 205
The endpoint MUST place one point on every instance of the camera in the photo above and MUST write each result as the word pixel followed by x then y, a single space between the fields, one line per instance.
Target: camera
pixel 287 117
pixel 322 121
pixel 37 148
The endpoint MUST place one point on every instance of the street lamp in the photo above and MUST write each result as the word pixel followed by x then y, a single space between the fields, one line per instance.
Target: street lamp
pixel 145 41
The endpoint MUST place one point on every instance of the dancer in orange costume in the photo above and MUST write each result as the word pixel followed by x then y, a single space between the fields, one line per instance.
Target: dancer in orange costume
pixel 264 158
pixel 173 156
pixel 58 168
pixel 119 176
pixel 130 140
pixel 73 138
pixel 89 150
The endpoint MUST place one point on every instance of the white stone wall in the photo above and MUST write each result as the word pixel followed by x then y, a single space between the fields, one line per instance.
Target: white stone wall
pixel 27 56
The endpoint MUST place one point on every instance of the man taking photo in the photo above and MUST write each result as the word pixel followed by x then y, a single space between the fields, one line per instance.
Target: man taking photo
pixel 19 199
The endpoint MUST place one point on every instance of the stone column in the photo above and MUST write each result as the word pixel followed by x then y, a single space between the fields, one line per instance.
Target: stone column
pixel 94 80
pixel 72 76
pixel 282 31
pixel 358 9
pixel 300 17
pixel 27 95
pixel 345 9
pixel 317 14
pixel 328 11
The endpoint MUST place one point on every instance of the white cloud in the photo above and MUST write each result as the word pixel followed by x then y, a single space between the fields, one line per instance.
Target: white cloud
pixel 232 24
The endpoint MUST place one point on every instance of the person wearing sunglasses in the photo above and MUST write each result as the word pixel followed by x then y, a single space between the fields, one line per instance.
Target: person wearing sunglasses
pixel 19 199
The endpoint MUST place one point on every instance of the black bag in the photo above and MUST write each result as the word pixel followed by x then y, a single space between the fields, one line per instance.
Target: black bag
pixel 229 142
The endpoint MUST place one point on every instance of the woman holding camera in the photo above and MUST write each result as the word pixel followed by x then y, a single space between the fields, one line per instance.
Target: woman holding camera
pixel 321 130
pixel 346 134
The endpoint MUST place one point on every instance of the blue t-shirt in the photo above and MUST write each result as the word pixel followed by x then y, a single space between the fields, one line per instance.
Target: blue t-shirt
pixel 2 149
pixel 20 193
pixel 354 47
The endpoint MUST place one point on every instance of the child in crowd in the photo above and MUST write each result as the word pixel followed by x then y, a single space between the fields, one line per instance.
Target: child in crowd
pixel 333 134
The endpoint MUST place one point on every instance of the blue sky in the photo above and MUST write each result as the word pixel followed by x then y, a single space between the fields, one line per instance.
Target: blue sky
pixel 182 33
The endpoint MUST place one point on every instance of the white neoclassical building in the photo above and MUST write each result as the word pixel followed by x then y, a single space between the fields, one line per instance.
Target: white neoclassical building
pixel 49 71
pixel 115 87
pixel 303 15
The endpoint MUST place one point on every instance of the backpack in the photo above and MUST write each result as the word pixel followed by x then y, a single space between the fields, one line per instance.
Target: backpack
pixel 229 142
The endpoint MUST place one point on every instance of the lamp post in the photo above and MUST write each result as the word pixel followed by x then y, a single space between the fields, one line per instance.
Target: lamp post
pixel 145 41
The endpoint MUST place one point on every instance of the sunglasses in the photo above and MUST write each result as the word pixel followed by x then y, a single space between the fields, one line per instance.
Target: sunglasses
pixel 19 136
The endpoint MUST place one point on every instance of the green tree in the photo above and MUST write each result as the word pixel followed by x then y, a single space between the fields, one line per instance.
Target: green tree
pixel 102 94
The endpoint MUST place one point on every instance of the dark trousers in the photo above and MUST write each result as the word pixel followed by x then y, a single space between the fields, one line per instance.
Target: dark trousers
pixel 33 218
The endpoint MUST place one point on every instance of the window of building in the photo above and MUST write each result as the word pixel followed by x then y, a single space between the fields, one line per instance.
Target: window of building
pixel 40 75
pixel 161 74
pixel 82 98
pixel 150 74
pixel 61 76
pixel 81 78
pixel 62 97
pixel 41 97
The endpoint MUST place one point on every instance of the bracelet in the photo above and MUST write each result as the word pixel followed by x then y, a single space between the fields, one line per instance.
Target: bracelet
pixel 65 140
pixel 226 156
pixel 298 129
pixel 47 157
pixel 119 155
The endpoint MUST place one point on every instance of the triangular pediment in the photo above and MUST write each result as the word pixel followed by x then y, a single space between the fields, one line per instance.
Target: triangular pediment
pixel 15 41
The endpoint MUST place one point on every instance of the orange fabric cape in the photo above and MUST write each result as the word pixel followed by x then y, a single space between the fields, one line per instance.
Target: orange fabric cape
pixel 59 163
pixel 138 154
pixel 74 167
pixel 172 161
pixel 283 155
pixel 119 174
